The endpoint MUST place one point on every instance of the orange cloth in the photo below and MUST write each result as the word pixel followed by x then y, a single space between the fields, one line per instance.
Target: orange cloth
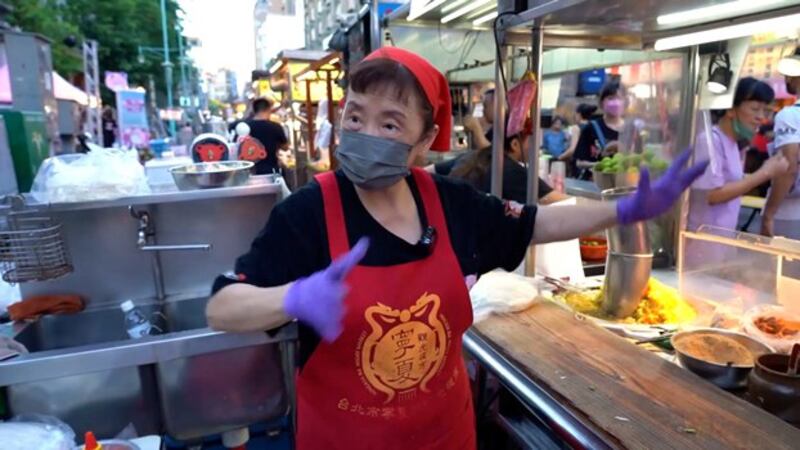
pixel 33 307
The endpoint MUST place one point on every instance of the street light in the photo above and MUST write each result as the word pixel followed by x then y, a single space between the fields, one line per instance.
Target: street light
pixel 167 64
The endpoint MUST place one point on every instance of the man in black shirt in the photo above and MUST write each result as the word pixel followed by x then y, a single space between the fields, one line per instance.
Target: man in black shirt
pixel 269 134
pixel 475 168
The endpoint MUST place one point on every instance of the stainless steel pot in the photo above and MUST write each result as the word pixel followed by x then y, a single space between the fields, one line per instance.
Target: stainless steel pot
pixel 631 239
pixel 625 283
pixel 725 376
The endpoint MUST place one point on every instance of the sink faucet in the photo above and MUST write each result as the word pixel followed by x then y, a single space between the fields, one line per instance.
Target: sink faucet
pixel 146 241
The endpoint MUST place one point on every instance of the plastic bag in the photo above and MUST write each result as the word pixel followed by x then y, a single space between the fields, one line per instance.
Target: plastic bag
pixel 779 344
pixel 34 431
pixel 498 292
pixel 102 174
pixel 520 99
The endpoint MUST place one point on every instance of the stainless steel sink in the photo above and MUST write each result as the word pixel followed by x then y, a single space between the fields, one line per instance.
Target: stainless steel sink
pixel 76 330
pixel 189 381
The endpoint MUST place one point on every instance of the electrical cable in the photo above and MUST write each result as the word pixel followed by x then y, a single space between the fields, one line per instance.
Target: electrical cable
pixel 499 51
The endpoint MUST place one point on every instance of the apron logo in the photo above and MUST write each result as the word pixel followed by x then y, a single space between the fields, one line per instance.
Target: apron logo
pixel 405 349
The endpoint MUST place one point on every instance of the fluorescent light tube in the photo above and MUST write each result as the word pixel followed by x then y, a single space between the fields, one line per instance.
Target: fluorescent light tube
pixel 414 15
pixel 727 32
pixel 480 20
pixel 463 10
pixel 721 11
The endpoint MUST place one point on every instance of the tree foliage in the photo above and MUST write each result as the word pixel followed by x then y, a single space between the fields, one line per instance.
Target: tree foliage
pixel 119 26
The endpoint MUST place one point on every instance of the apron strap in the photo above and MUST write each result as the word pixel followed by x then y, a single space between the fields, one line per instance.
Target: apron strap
pixel 338 242
pixel 432 203
pixel 601 138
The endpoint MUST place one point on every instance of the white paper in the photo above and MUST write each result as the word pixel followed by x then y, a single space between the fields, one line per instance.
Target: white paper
pixel 561 259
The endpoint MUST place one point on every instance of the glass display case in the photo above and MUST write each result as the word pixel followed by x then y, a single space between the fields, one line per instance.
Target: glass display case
pixel 735 274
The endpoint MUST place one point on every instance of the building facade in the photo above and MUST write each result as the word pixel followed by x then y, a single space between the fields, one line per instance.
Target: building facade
pixel 278 25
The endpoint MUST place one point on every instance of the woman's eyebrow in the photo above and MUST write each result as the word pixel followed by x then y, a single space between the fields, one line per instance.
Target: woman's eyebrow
pixel 354 106
pixel 394 114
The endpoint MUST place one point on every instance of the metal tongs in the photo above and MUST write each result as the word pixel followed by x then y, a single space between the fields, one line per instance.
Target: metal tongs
pixel 561 284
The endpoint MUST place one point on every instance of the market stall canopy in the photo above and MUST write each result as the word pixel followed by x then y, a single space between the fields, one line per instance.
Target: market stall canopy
pixel 64 90
pixel 621 24
pixel 296 56
pixel 299 65
pixel 331 62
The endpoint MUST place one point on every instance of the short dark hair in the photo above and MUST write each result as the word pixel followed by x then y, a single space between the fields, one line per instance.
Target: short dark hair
pixel 390 77
pixel 261 105
pixel 586 111
pixel 611 89
pixel 564 122
pixel 751 89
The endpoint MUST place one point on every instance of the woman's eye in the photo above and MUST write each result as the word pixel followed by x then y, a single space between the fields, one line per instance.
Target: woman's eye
pixel 391 127
pixel 353 119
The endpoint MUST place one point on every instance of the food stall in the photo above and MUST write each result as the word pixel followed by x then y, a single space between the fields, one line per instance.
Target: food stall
pixel 305 78
pixel 328 72
pixel 550 376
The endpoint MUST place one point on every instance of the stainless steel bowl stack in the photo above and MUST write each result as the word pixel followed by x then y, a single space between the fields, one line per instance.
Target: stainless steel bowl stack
pixel 211 175
pixel 628 265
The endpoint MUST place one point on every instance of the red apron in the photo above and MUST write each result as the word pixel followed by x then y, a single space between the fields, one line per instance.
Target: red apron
pixel 395 378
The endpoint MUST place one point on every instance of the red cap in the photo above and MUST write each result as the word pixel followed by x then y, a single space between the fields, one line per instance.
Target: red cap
pixel 90 442
pixel 433 83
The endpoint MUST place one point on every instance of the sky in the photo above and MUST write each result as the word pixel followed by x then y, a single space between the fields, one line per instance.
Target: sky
pixel 225 28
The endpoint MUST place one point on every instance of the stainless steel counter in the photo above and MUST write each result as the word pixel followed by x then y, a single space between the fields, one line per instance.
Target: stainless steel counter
pixel 169 194
pixel 188 380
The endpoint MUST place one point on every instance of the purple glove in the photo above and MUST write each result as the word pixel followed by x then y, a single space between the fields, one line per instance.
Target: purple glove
pixel 650 202
pixel 318 301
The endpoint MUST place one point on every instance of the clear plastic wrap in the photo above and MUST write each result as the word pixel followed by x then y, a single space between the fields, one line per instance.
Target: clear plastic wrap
pixel 34 431
pixel 102 174
pixel 772 316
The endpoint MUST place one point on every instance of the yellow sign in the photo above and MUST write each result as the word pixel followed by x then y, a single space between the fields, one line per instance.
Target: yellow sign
pixel 319 89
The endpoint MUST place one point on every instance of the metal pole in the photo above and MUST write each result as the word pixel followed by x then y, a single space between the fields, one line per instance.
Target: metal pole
pixel 689 103
pixel 182 62
pixel 537 40
pixel 310 116
pixel 91 80
pixel 537 48
pixel 498 127
pixel 331 119
pixel 167 64
pixel 374 26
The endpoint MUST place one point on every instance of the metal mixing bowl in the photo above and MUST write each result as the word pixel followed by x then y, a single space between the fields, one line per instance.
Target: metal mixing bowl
pixel 211 175
pixel 606 181
pixel 725 376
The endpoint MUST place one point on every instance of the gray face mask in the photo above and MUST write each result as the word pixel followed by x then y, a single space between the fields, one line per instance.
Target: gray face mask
pixel 371 162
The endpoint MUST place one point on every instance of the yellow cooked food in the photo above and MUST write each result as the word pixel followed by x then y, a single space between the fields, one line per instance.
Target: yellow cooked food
pixel 660 305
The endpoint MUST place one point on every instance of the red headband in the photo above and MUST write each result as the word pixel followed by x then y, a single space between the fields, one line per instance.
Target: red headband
pixel 433 83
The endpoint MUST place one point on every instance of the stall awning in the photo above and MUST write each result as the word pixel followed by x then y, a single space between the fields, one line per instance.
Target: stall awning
pixel 64 90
